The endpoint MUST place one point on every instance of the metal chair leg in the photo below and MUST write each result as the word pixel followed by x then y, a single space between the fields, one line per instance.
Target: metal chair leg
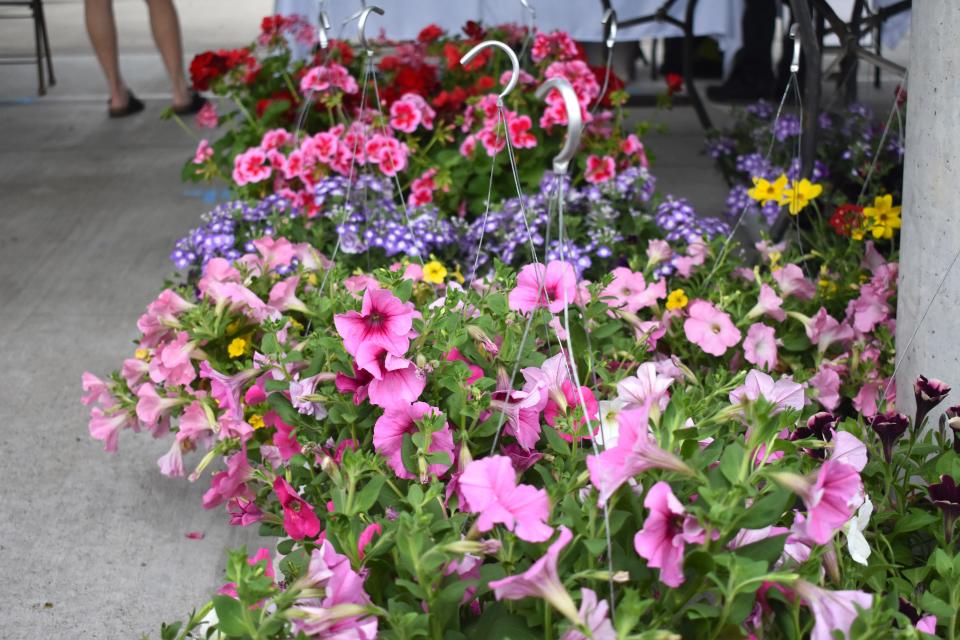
pixel 41 86
pixel 51 79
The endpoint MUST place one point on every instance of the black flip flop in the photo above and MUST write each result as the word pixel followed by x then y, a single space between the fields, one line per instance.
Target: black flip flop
pixel 134 105
pixel 196 103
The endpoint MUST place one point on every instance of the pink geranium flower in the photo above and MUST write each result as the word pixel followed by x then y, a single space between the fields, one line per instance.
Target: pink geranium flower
pixel 405 116
pixel 600 170
pixel 207 118
pixel 665 534
pixel 629 291
pixel 397 422
pixel 783 394
pixel 395 381
pixel 553 287
pixel 793 283
pixel 710 329
pixel 299 519
pixel 383 320
pixel 541 580
pixel 635 452
pixel 490 489
pixel 832 610
pixel 760 346
pixel 251 167
pixel 203 153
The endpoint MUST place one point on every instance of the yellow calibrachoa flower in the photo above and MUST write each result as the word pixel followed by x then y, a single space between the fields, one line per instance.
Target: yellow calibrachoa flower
pixel 882 218
pixel 434 272
pixel 765 191
pixel 312 279
pixel 142 354
pixel 677 299
pixel 256 421
pixel 237 348
pixel 457 275
pixel 800 194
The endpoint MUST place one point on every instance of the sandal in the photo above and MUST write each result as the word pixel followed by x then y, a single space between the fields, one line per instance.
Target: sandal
pixel 196 103
pixel 134 105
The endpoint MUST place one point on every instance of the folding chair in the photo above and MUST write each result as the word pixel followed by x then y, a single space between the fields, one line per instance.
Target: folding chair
pixel 41 41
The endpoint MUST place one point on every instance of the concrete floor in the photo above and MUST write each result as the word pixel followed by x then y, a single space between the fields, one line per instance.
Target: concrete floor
pixel 92 544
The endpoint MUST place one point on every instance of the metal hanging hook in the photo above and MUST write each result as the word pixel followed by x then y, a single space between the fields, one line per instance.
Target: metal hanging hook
pixel 609 23
pixel 322 29
pixel 362 27
pixel 561 163
pixel 795 36
pixel 514 62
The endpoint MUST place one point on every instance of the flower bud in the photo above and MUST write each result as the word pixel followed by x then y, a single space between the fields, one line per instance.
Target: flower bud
pixel 928 394
pixel 889 427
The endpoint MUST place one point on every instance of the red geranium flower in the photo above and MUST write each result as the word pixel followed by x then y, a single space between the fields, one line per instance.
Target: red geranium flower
pixel 614 84
pixel 429 33
pixel 474 30
pixel 674 83
pixel 846 218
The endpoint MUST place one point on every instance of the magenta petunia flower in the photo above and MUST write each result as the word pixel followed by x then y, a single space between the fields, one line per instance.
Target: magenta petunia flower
pixel 396 422
pixel 227 390
pixel 229 484
pixel 395 381
pixel 366 537
pixel 665 534
pixel 760 346
pixel 541 580
pixel 490 488
pixel 299 519
pixel 824 330
pixel 710 329
pixel 830 499
pixel 383 320
pixel 832 610
pixel 573 401
pixel 538 287
pixel 357 385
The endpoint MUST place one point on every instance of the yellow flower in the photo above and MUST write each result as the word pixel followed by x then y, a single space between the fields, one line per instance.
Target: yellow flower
pixel 882 217
pixel 142 354
pixel 256 421
pixel 677 299
pixel 237 348
pixel 765 191
pixel 312 279
pixel 459 276
pixel 800 194
pixel 434 272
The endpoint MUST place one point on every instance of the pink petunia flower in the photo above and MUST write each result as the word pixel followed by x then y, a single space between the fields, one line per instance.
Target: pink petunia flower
pixel 665 534
pixel 769 303
pixel 710 329
pixel 105 425
pixel 171 363
pixel 226 390
pixel 553 287
pixel 577 401
pixel 792 282
pixel 154 410
pixel 629 291
pixel 658 251
pixel 824 330
pixel 171 463
pixel 594 615
pixel 760 346
pixel 635 452
pixel 541 580
pixel 229 484
pixel 646 386
pixel 283 295
pixel 830 499
pixel 826 387
pixel 832 610
pixel 299 519
pixel 397 422
pixel 366 537
pixel 783 394
pixel 600 170
pixel 490 489
pixel 383 320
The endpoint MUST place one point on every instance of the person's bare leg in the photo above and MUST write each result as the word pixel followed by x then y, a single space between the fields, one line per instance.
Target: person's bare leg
pixel 166 33
pixel 103 36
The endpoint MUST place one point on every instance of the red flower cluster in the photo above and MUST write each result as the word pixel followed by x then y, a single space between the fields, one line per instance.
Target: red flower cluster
pixel 614 84
pixel 674 83
pixel 264 104
pixel 474 30
pixel 408 77
pixel 846 218
pixel 429 34
pixel 211 65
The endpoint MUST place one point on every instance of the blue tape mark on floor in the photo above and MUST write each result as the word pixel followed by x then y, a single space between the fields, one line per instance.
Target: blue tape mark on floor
pixel 19 101
pixel 208 195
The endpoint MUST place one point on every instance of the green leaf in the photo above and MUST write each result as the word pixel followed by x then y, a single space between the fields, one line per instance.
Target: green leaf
pixel 765 511
pixel 367 496
pixel 408 454
pixel 556 443
pixel 269 344
pixel 229 616
pixel 497 622
pixel 730 462
pixel 915 520
pixel 766 550
pixel 279 403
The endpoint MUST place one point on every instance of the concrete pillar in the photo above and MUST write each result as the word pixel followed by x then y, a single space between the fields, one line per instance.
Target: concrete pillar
pixel 930 237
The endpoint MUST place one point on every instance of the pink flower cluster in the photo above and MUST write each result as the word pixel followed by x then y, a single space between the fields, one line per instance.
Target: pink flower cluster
pixel 585 85
pixel 411 111
pixel 327 77
pixel 489 135
pixel 558 45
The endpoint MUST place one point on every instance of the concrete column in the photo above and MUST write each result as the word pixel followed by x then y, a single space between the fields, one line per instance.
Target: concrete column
pixel 930 237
